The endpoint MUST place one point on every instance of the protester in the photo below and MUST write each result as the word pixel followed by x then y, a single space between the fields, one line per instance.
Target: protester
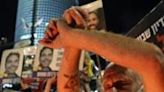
pixel 122 50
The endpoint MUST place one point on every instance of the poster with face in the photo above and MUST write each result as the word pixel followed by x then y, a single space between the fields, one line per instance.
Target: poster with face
pixel 47 61
pixel 11 63
pixel 92 63
pixel 11 67
pixel 96 22
pixel 28 61
pixel 44 66
pixel 96 18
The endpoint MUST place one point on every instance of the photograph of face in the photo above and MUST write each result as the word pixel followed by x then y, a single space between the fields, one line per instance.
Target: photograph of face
pixel 92 21
pixel 45 59
pixel 48 59
pixel 11 63
pixel 95 20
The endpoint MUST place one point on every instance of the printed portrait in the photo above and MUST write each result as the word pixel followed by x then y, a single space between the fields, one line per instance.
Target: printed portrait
pixel 11 63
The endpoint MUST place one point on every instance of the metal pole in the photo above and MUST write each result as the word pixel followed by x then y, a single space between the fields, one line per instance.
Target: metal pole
pixel 33 21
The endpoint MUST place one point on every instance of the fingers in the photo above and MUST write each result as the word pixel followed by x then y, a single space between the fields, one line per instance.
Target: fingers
pixel 50 34
pixel 46 43
pixel 67 17
pixel 51 43
pixel 62 26
pixel 77 15
pixel 51 31
pixel 83 12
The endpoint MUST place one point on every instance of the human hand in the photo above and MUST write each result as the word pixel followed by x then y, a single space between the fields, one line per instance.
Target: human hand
pixel 52 80
pixel 49 83
pixel 76 16
pixel 57 32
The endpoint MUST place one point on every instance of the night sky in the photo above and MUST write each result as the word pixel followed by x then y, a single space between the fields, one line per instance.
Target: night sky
pixel 7 18
pixel 121 15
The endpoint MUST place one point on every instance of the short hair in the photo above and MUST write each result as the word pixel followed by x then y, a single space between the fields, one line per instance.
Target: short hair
pixel 116 68
pixel 101 16
pixel 41 51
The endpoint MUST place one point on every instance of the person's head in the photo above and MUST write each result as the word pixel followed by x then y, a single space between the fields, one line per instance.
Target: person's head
pixel 45 57
pixel 96 20
pixel 115 77
pixel 93 20
pixel 12 62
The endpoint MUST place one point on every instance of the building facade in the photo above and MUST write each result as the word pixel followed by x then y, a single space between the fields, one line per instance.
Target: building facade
pixel 33 16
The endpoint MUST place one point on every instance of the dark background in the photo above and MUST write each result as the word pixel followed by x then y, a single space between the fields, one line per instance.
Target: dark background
pixel 121 15
pixel 7 18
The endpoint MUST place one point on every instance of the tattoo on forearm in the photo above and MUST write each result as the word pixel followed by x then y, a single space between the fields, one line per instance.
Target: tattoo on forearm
pixel 72 82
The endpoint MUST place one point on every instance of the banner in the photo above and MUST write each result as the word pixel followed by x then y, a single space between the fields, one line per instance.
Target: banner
pixel 151 27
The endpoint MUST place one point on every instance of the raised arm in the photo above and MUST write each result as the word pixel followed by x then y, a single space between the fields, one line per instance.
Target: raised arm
pixel 143 57
pixel 68 76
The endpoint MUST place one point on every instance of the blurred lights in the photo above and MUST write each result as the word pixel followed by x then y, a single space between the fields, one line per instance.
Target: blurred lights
pixel 7 86
pixel 28 36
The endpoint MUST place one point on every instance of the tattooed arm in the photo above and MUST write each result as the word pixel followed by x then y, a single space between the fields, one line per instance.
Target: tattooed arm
pixel 142 57
pixel 68 78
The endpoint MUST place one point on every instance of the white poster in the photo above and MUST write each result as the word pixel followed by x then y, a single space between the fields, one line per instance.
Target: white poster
pixel 11 63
